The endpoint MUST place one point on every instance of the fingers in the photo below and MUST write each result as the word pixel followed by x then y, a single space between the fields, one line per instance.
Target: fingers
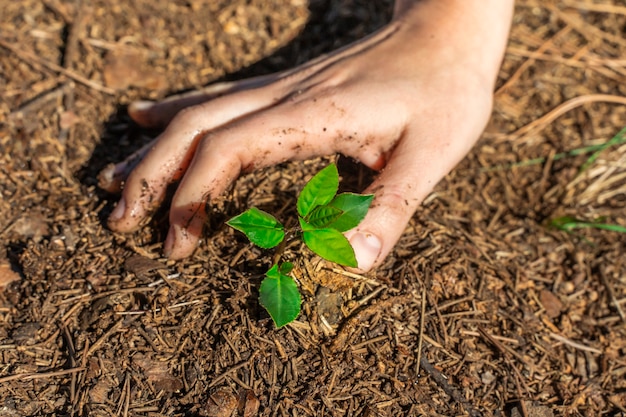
pixel 243 146
pixel 160 114
pixel 169 155
pixel 187 212
pixel 218 161
pixel 113 176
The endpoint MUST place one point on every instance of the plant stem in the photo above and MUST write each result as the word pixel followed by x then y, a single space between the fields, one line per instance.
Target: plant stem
pixel 279 250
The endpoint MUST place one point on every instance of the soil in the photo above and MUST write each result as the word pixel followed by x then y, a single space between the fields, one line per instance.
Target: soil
pixel 482 309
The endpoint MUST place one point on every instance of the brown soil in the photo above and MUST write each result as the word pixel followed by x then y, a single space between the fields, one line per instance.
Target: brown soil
pixel 480 310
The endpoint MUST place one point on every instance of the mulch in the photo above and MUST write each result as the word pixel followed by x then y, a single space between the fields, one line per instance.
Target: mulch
pixel 483 308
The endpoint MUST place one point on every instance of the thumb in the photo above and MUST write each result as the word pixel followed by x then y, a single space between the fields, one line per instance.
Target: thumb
pixel 409 176
pixel 376 235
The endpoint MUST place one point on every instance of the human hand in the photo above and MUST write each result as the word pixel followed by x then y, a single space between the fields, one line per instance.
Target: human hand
pixel 409 101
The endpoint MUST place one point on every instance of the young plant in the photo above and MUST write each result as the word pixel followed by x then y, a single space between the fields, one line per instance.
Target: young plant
pixel 323 216
pixel 568 224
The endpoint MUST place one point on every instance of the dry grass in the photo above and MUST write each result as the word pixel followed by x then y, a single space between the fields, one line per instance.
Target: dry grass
pixel 481 309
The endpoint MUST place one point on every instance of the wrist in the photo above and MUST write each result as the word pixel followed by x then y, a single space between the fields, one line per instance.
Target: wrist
pixel 472 33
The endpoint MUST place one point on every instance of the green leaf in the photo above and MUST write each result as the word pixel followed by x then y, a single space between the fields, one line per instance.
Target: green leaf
pixel 260 227
pixel 617 139
pixel 562 223
pixel 319 191
pixel 322 216
pixel 354 208
pixel 329 243
pixel 279 295
pixel 568 223
pixel 596 149
pixel 285 268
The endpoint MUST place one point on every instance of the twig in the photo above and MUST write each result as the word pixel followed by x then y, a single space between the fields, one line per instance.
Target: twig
pixel 616 404
pixel 563 108
pixel 420 340
pixel 595 7
pixel 357 277
pixel 365 299
pixel 71 44
pixel 39 101
pixel 70 56
pixel 28 377
pixel 531 60
pixel 442 323
pixel 105 337
pixel 575 345
pixel 158 309
pixel 589 32
pixel 72 355
pixel 522 403
pixel 611 291
pixel 83 364
pixel 610 68
pixel 358 316
pixel 618 139
pixel 464 332
pixel 124 401
pixel 517 377
pixel 502 348
pixel 234 368
pixel 451 391
pixel 30 58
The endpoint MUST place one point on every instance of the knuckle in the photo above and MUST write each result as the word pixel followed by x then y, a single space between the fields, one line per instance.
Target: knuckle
pixel 187 116
pixel 396 201
pixel 396 192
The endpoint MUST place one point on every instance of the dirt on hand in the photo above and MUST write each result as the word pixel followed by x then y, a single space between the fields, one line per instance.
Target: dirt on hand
pixel 482 309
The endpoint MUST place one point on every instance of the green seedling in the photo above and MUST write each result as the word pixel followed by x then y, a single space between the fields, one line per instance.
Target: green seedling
pixel 568 224
pixel 323 216
pixel 594 150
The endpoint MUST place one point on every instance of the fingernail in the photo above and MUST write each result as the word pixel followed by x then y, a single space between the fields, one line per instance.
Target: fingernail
pixel 141 105
pixel 119 210
pixel 366 249
pixel 168 245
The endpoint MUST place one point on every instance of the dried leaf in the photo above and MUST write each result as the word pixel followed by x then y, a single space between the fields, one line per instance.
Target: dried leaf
pixel 551 303
pixel 32 225
pixel 248 403
pixel 125 67
pixel 139 265
pixel 158 374
pixel 221 403
pixel 329 305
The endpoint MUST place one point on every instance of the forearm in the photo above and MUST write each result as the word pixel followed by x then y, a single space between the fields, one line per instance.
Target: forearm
pixel 472 30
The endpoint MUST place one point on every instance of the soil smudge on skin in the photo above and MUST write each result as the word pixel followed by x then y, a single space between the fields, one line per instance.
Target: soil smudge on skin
pixel 504 310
